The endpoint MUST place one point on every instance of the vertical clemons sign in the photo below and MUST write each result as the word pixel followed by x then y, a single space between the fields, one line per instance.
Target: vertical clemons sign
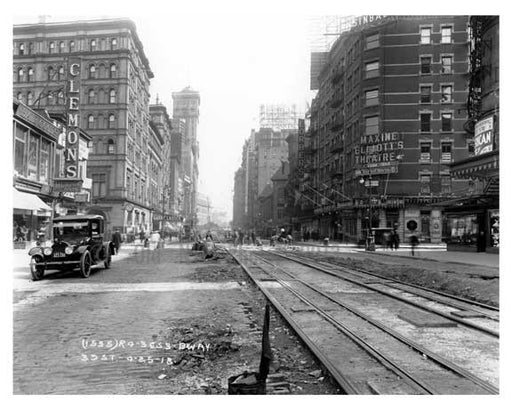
pixel 71 181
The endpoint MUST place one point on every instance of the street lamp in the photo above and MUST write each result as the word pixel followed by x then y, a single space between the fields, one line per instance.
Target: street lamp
pixel 370 238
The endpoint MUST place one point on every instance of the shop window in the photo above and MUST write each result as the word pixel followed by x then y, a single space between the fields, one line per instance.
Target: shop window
pixel 446 121
pixel 446 151
pixel 44 161
pixel 462 229
pixel 426 94
pixel 446 93
pixel 371 69
pixel 372 41
pixel 33 150
pixel 446 34
pixel 426 65
pixel 20 144
pixel 371 125
pixel 425 33
pixel 425 122
pixel 446 64
pixel 425 151
pixel 371 97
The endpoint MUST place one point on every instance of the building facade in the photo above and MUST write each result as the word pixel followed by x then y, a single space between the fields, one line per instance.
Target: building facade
pixel 112 76
pixel 387 122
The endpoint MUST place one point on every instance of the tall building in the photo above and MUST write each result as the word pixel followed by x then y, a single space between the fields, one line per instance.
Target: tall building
pixel 111 76
pixel 386 124
pixel 186 107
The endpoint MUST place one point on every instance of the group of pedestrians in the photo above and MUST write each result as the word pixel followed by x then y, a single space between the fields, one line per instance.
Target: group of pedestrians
pixel 391 240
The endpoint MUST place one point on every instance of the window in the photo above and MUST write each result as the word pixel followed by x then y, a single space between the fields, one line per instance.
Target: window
pixel 371 97
pixel 112 96
pixel 71 46
pixel 99 185
pixel 446 151
pixel 51 47
pixel 446 121
pixel 111 147
pixel 60 75
pixel 113 69
pixel 446 34
pixel 20 158
pixel 51 73
pixel 425 93
pixel 91 97
pixel 32 156
pixel 113 44
pixel 30 98
pixel 30 73
pixel 425 33
pixel 446 184
pixel 425 183
pixel 446 93
pixel 425 148
pixel 446 64
pixel 30 48
pixel 22 49
pixel 90 121
pixel 371 125
pixel 60 97
pixel 372 69
pixel 92 71
pixel 426 63
pixel 44 161
pixel 372 41
pixel 61 47
pixel 93 45
pixel 19 75
pixel 111 121
pixel 425 122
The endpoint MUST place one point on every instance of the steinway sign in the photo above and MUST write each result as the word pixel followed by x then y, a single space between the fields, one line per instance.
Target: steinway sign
pixel 378 153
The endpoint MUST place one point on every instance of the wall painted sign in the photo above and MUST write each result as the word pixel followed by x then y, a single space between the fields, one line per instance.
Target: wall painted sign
pixel 378 153
pixel 484 136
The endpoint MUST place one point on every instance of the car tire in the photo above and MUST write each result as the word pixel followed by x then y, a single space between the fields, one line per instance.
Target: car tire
pixel 85 264
pixel 37 272
pixel 108 259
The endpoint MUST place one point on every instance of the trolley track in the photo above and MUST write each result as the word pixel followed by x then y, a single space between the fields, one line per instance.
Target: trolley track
pixel 414 369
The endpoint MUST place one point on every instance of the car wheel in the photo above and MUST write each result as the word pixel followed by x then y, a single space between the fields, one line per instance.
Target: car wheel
pixel 37 272
pixel 85 264
pixel 108 259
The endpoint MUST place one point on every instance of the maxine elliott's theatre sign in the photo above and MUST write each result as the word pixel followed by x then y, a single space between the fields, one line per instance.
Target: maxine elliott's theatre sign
pixel 378 153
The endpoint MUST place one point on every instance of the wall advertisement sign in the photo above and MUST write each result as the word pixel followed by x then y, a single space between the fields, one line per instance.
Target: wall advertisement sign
pixel 378 153
pixel 300 147
pixel 484 136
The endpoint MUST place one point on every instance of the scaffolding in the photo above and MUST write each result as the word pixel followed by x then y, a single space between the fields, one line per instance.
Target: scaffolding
pixel 279 116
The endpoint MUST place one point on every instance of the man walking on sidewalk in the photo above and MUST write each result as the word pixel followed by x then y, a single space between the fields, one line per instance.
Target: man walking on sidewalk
pixel 414 242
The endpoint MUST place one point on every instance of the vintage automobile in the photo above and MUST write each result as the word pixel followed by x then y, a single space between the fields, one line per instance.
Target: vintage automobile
pixel 78 243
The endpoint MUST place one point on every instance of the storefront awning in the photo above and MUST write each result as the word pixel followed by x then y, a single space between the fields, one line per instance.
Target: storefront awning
pixel 484 166
pixel 30 202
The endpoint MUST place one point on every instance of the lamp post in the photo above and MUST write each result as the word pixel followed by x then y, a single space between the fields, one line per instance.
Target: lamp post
pixel 370 238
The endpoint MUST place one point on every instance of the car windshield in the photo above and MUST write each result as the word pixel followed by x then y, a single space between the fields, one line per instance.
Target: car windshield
pixel 71 231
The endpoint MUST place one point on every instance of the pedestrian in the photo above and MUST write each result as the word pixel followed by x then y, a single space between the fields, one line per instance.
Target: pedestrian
pixel 242 237
pixel 395 240
pixel 480 242
pixel 386 240
pixel 116 241
pixel 253 237
pixel 413 239
pixel 142 236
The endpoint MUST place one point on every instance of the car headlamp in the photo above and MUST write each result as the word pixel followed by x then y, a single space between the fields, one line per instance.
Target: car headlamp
pixel 47 251
pixel 68 250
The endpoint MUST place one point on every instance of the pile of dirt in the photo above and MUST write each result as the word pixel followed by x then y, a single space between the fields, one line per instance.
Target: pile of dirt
pixel 218 273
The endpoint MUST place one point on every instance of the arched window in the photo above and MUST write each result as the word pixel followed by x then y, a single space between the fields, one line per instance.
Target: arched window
pixel 90 121
pixel 71 46
pixel 60 97
pixel 51 47
pixel 19 75
pixel 113 70
pixel 91 97
pixel 111 121
pixel 101 96
pixel 60 75
pixel 61 47
pixel 51 73
pixel 112 97
pixel 102 73
pixel 111 147
pixel 30 73
pixel 93 45
pixel 92 71
pixel 20 96
pixel 30 98
pixel 22 49
pixel 113 44
pixel 30 48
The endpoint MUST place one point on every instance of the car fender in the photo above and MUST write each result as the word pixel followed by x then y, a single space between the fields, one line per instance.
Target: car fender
pixel 36 251
pixel 81 249
pixel 110 246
